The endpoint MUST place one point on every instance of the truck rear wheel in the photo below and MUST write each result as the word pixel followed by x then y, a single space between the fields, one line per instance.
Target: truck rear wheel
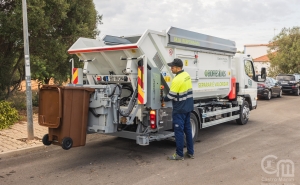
pixel 194 127
pixel 244 114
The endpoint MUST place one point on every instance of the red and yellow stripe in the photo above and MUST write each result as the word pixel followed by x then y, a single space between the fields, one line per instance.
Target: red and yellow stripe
pixel 75 76
pixel 140 85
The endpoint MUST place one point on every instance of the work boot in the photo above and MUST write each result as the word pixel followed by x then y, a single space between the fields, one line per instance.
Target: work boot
pixel 189 155
pixel 175 157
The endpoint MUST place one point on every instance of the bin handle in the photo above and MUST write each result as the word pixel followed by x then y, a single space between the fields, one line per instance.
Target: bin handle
pixel 59 102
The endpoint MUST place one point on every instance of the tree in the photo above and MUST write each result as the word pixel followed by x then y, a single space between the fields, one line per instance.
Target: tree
pixel 76 18
pixel 284 52
pixel 11 48
pixel 53 26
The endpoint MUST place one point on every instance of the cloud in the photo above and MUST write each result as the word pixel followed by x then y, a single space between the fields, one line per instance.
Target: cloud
pixel 243 21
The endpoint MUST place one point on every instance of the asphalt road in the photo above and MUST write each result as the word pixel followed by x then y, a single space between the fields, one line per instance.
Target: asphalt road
pixel 225 154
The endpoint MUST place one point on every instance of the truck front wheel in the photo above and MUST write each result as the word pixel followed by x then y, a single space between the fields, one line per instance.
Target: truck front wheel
pixel 244 114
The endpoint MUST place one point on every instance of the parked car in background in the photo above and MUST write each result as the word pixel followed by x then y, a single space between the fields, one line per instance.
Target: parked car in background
pixel 268 89
pixel 290 83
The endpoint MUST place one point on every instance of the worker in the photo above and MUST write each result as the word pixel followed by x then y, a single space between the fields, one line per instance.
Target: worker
pixel 181 94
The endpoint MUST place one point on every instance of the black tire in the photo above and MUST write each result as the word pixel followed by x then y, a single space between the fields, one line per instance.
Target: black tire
pixel 269 96
pixel 46 141
pixel 194 127
pixel 297 92
pixel 244 114
pixel 280 94
pixel 67 143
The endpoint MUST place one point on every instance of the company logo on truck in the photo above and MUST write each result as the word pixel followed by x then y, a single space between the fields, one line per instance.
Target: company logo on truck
pixel 250 82
pixel 224 59
pixel 213 84
pixel 214 73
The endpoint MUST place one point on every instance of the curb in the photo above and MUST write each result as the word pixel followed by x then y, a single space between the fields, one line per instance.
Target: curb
pixel 21 151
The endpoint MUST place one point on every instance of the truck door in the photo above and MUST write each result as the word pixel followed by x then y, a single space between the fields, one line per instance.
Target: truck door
pixel 250 84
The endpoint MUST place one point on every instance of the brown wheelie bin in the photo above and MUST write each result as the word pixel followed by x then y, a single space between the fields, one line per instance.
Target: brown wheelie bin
pixel 64 110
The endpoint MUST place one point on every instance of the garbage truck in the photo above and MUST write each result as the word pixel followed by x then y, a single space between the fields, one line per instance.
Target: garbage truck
pixel 126 78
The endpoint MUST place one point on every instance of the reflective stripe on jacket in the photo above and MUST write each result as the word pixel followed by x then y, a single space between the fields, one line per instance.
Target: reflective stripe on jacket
pixel 181 93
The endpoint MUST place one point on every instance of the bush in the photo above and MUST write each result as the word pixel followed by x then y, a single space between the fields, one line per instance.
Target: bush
pixel 19 100
pixel 35 99
pixel 8 115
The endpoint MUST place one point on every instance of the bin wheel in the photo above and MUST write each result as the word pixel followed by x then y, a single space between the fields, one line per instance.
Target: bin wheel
pixel 45 140
pixel 66 143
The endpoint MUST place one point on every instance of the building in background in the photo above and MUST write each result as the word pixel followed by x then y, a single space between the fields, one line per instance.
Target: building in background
pixel 256 50
pixel 259 54
pixel 262 61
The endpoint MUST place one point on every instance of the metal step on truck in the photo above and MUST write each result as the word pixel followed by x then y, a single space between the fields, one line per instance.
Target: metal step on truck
pixel 129 76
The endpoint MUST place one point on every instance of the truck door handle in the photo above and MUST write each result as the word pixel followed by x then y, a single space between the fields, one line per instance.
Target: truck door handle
pixel 246 86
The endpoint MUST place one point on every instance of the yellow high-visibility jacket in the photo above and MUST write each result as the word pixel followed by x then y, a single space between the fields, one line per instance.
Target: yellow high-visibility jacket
pixel 181 93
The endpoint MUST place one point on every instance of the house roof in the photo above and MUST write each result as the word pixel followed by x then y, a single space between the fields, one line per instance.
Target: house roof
pixel 255 45
pixel 263 58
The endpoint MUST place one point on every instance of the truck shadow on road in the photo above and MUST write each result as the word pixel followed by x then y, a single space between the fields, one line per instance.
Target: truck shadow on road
pixel 106 154
pixel 109 149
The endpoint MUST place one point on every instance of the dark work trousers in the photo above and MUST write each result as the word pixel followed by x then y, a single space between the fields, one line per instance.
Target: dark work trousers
pixel 182 125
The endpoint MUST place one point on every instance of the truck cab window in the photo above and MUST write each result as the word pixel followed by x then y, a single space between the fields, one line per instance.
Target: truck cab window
pixel 249 69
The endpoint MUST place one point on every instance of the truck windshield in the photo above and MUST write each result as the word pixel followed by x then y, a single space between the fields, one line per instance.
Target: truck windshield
pixel 285 78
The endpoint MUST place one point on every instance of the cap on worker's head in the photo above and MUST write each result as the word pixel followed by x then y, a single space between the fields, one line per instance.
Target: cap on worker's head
pixel 176 62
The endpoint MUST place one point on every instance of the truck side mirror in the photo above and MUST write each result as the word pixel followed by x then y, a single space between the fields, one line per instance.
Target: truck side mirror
pixel 259 79
pixel 263 73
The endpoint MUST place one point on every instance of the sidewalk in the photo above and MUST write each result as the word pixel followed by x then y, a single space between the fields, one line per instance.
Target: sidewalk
pixel 15 138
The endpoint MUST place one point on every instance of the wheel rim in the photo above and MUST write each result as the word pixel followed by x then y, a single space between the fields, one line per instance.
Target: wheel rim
pixel 68 143
pixel 193 127
pixel 280 93
pixel 246 112
pixel 269 95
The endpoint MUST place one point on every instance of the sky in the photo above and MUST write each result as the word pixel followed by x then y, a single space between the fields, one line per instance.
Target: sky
pixel 242 21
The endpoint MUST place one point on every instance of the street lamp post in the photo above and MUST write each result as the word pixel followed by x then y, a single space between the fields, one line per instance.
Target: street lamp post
pixel 27 73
